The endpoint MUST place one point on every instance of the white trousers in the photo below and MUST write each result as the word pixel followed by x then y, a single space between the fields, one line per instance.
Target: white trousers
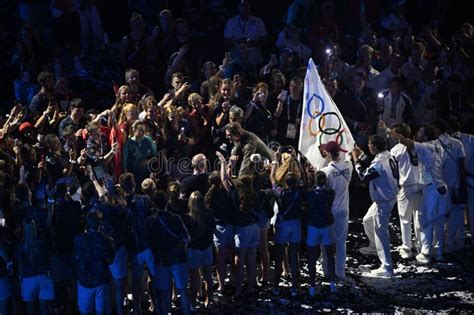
pixel 377 230
pixel 455 229
pixel 432 218
pixel 341 226
pixel 455 232
pixel 409 203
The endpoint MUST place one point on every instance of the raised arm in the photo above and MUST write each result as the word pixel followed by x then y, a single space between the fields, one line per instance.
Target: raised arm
pixel 224 176
pixel 273 172
pixel 410 144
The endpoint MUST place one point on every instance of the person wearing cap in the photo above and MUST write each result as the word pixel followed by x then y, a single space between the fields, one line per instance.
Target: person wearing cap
pixel 339 174
pixel 27 133
pixel 382 176
pixel 41 100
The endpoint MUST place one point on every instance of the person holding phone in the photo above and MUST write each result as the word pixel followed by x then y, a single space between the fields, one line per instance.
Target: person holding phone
pixel 288 113
pixel 258 115
pixel 41 99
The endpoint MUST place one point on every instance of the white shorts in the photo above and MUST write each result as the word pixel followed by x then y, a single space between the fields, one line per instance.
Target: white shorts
pixel 198 258
pixel 224 235
pixel 119 268
pixel 179 273
pixel 321 236
pixel 90 299
pixel 5 288
pixel 247 236
pixel 38 287
pixel 288 231
pixel 139 259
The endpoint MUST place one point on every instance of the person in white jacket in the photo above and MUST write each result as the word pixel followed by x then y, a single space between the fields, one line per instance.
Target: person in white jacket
pixel 394 105
pixel 468 142
pixel 339 174
pixel 431 155
pixel 382 176
pixel 453 169
pixel 409 195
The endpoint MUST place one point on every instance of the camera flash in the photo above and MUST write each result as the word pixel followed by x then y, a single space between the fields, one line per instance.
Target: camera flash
pixel 380 95
pixel 328 51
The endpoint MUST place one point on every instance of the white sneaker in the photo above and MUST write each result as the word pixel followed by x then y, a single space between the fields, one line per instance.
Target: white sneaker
pixel 312 291
pixel 332 287
pixel 405 252
pixel 368 251
pixel 422 259
pixel 382 272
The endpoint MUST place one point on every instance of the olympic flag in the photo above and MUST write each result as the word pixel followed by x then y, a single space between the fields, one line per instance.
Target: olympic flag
pixel 321 120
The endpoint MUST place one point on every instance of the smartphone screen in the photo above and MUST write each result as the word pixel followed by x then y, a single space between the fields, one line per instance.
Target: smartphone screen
pixel 99 171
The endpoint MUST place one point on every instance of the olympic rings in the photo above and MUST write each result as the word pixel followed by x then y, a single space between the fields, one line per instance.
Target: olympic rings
pixel 340 138
pixel 311 132
pixel 330 131
pixel 308 107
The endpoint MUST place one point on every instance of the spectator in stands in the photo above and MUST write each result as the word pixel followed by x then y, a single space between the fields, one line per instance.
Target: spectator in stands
pixel 246 28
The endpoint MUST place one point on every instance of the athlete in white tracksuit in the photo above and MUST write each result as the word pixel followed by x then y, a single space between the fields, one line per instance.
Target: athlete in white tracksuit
pixel 468 142
pixel 409 195
pixel 452 167
pixel 338 173
pixel 382 176
pixel 431 155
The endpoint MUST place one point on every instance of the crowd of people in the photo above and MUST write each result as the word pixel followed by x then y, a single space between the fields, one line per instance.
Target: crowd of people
pixel 192 176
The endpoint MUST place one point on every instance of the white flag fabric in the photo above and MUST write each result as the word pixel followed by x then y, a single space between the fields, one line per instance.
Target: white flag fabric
pixel 321 120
